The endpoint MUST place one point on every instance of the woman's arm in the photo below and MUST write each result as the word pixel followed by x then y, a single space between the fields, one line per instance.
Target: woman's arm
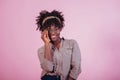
pixel 44 53
pixel 75 62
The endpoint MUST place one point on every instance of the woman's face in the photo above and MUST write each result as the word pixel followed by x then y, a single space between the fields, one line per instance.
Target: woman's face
pixel 54 33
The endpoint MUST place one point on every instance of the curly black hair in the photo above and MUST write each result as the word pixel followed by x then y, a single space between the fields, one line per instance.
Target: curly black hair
pixel 46 19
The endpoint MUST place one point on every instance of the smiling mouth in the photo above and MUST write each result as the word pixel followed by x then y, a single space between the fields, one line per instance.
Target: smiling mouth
pixel 54 36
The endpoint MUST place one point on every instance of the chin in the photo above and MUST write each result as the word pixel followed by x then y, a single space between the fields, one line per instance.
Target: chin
pixel 53 40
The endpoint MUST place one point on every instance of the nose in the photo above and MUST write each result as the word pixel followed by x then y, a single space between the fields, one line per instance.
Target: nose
pixel 52 32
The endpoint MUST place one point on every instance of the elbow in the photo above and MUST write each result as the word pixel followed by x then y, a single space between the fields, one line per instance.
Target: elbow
pixel 75 71
pixel 47 67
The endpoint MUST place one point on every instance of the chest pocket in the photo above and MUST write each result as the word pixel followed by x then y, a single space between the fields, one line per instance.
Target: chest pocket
pixel 68 50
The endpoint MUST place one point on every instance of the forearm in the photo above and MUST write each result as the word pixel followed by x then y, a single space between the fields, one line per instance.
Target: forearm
pixel 47 54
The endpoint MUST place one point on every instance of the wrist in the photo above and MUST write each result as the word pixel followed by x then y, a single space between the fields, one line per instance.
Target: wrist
pixel 70 78
pixel 47 43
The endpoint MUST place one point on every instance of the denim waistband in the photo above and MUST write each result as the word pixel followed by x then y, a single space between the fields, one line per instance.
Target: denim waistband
pixel 51 77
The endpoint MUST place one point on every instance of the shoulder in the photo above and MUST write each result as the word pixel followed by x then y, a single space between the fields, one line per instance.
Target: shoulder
pixel 70 42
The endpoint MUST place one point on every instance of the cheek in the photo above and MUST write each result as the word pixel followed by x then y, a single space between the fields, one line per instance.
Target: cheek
pixel 58 33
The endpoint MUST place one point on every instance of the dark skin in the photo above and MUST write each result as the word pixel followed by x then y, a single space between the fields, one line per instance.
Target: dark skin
pixel 54 34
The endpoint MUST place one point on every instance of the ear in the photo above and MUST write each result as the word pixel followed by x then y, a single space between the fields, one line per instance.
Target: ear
pixel 41 32
pixel 60 29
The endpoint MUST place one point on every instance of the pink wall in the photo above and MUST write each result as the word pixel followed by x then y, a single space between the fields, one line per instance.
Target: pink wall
pixel 94 24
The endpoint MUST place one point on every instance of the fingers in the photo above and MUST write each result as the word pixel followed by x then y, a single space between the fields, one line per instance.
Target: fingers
pixel 45 32
pixel 44 35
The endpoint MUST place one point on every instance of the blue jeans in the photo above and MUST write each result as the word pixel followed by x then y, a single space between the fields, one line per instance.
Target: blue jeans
pixel 49 77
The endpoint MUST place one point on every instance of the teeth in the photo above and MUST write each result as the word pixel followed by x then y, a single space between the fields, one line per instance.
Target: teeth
pixel 53 36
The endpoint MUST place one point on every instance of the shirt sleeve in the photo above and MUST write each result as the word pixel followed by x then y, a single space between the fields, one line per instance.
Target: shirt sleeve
pixel 45 63
pixel 76 61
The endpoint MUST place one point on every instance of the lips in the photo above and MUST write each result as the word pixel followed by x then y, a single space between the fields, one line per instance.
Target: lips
pixel 53 36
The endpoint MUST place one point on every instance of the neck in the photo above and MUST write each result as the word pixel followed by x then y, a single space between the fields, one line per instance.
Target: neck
pixel 57 43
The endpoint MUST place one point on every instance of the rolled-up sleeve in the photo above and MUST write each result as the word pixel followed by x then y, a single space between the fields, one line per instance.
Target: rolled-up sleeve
pixel 76 61
pixel 45 64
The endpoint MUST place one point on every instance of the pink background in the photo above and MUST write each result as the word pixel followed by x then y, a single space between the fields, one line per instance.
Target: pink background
pixel 95 24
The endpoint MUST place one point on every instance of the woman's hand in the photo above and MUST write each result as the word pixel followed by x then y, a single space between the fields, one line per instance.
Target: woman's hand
pixel 45 37
pixel 70 78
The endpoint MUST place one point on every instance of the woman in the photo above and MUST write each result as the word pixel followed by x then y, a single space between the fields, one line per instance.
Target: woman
pixel 59 58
